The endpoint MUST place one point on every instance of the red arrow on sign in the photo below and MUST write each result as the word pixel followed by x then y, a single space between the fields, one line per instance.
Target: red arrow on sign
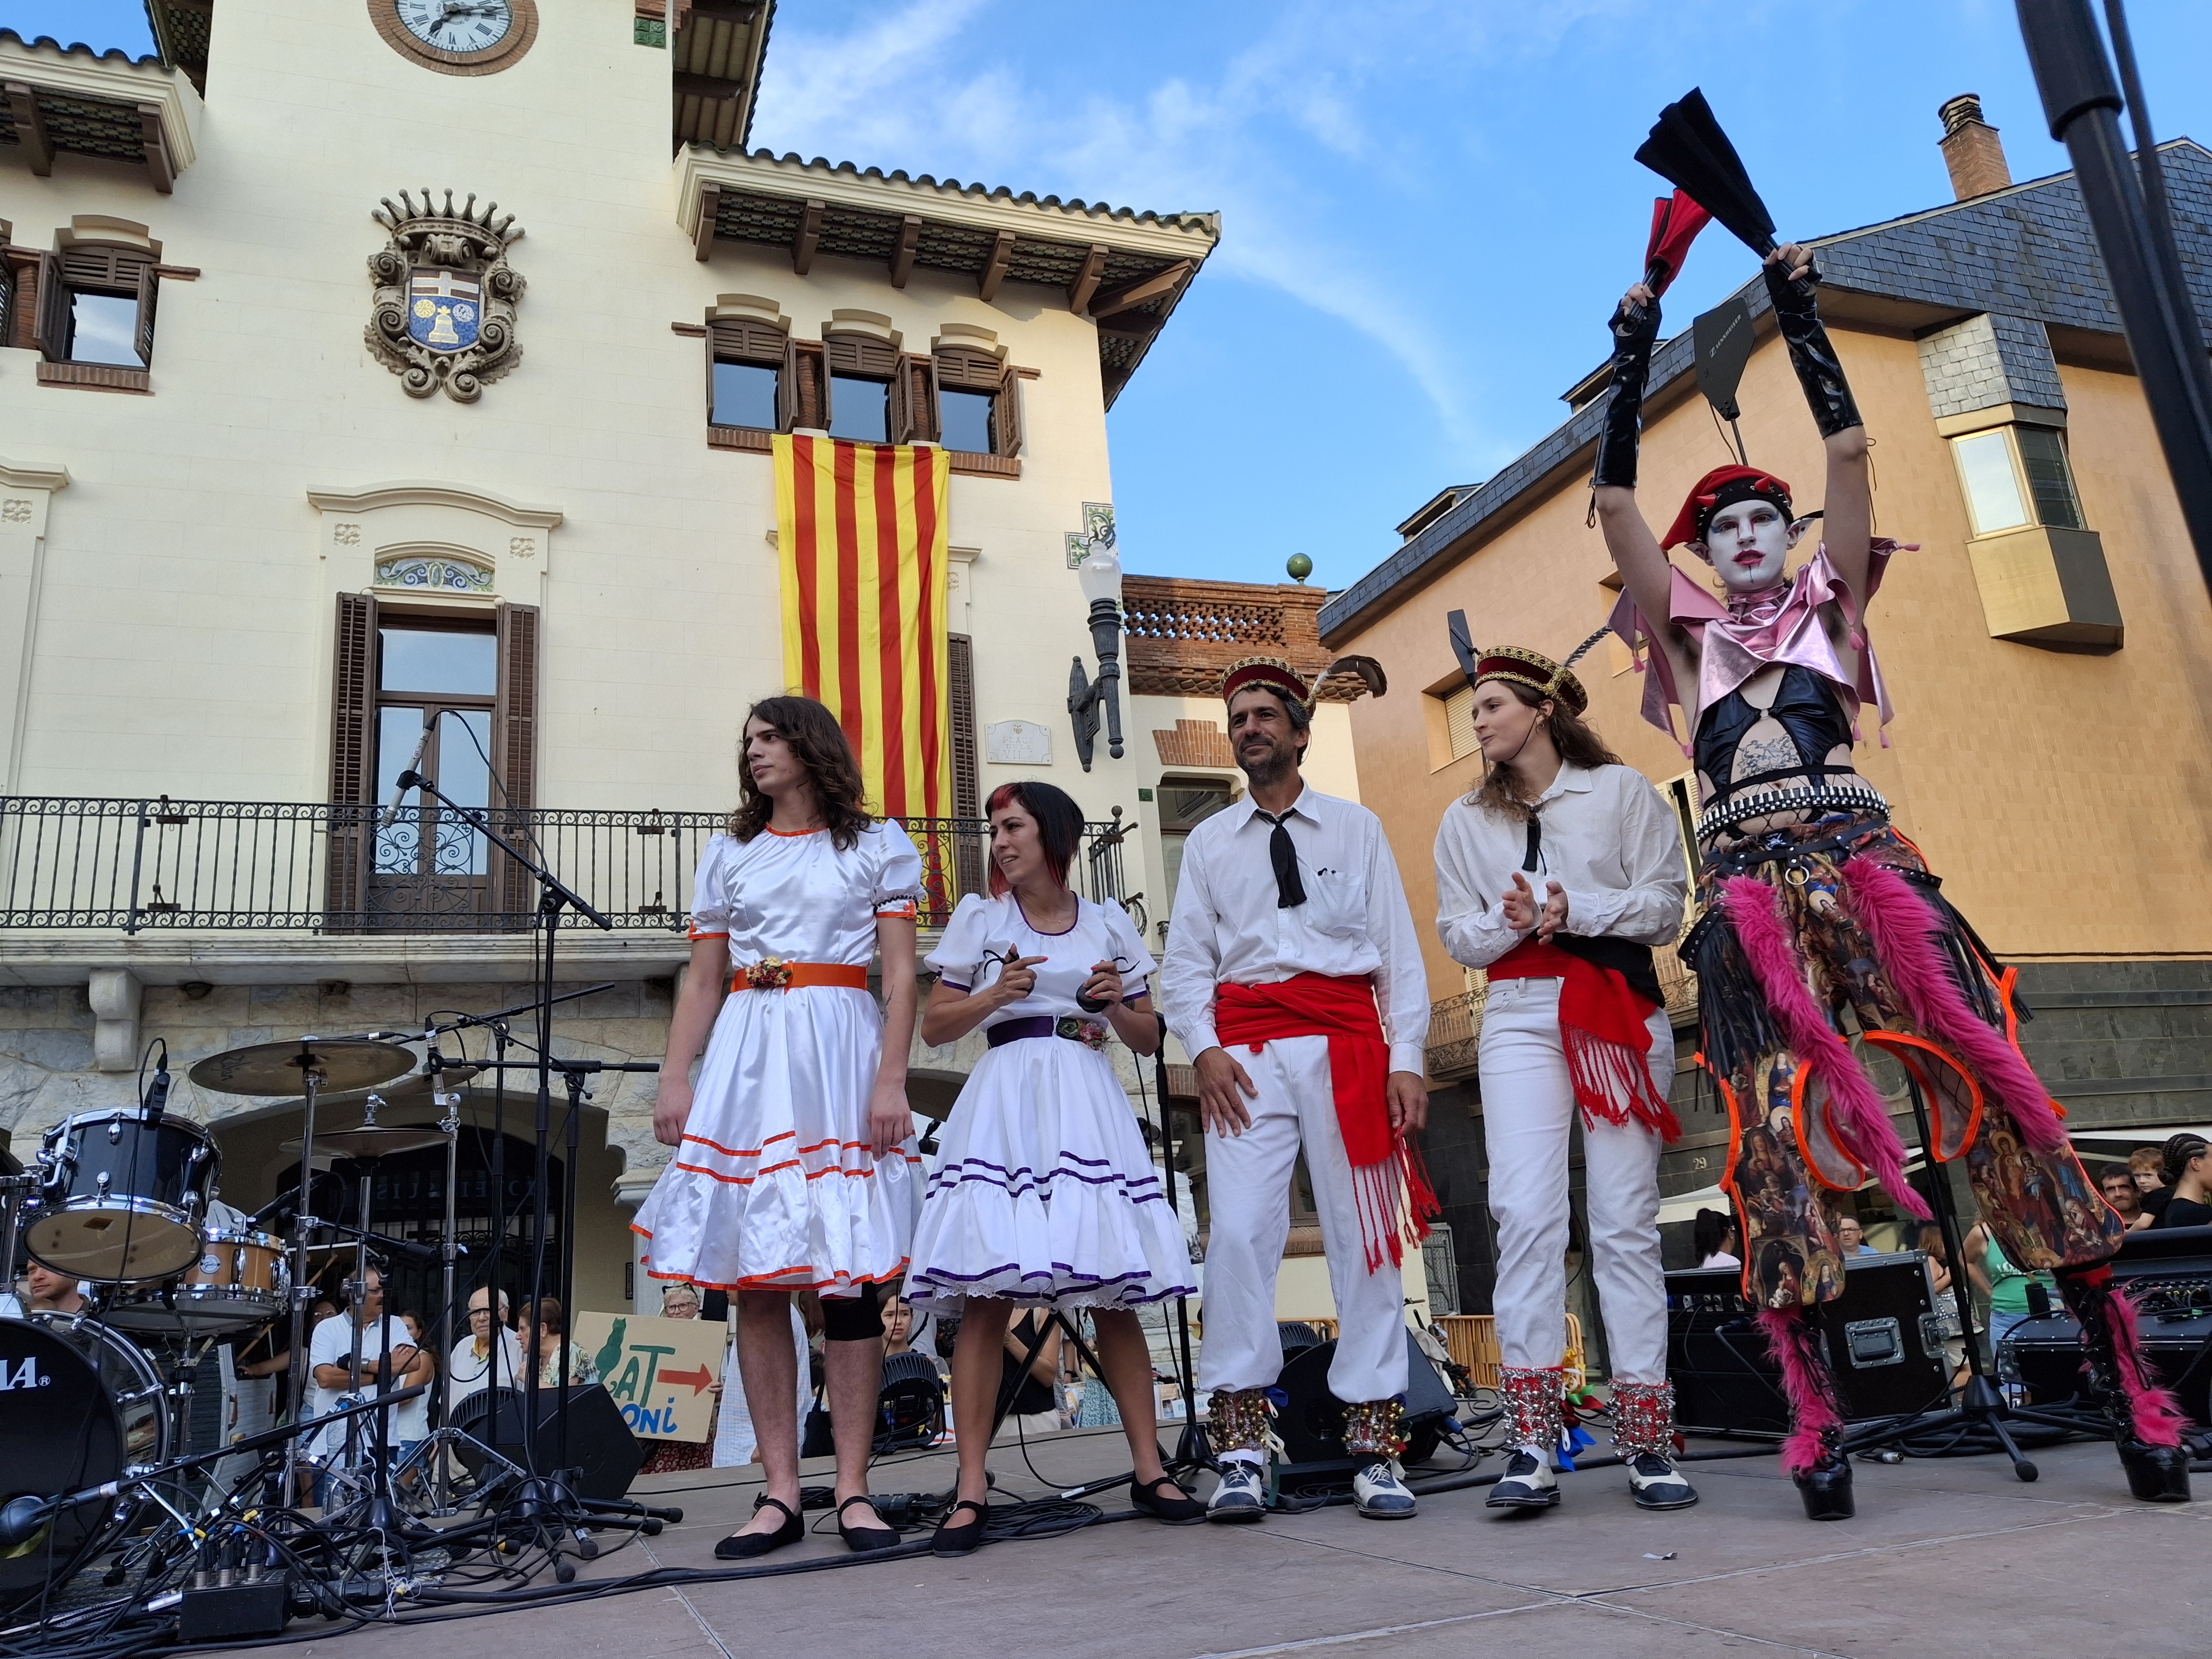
pixel 700 1380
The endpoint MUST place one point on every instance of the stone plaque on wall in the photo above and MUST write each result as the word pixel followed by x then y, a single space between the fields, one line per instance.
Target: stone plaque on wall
pixel 1017 743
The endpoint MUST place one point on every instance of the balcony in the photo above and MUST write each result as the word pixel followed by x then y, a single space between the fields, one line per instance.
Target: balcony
pixel 1456 1022
pixel 262 891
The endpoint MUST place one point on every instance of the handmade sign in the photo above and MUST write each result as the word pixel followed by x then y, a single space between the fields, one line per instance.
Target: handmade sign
pixel 659 1370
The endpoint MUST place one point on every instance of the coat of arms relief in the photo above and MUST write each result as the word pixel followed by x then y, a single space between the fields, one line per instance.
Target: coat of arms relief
pixel 444 311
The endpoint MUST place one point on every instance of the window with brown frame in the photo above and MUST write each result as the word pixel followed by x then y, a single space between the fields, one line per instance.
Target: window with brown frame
pixel 464 686
pixel 745 373
pixel 95 306
pixel 862 371
pixel 978 402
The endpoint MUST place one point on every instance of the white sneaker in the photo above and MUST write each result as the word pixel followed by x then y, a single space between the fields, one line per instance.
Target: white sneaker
pixel 1528 1483
pixel 1656 1484
pixel 1379 1491
pixel 1242 1495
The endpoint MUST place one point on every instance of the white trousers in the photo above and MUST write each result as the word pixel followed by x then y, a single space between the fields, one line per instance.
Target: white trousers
pixel 1527 1108
pixel 1248 1198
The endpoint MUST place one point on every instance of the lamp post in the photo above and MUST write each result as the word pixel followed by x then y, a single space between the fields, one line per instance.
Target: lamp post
pixel 1100 578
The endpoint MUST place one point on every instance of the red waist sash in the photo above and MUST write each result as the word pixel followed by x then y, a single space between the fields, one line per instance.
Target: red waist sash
pixel 1343 1010
pixel 1603 1033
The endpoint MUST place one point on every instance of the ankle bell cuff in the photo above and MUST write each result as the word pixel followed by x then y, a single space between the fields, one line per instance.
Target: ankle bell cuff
pixel 1375 1428
pixel 1533 1399
pixel 1239 1419
pixel 1644 1419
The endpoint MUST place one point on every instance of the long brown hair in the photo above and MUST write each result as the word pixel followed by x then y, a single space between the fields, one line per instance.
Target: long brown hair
pixel 813 734
pixel 1503 792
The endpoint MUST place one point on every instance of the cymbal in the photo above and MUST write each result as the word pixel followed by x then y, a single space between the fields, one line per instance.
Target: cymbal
pixel 410 1090
pixel 373 1140
pixel 278 1068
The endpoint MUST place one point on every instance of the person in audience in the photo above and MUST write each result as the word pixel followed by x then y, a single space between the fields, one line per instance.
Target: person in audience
pixel 46 1291
pixel 2004 1284
pixel 410 1419
pixel 1713 1240
pixel 681 1301
pixel 1851 1237
pixel 2186 1165
pixel 2121 1191
pixel 544 1345
pixel 489 1356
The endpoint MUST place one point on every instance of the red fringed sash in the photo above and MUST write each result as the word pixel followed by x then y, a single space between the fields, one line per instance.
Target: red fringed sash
pixel 1343 1010
pixel 1601 1029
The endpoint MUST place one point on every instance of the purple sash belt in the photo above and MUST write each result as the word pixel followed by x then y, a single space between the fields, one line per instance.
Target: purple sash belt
pixel 1091 1033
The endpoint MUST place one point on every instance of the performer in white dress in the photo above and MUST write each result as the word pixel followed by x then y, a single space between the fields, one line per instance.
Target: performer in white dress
pixel 1044 1193
pixel 793 1167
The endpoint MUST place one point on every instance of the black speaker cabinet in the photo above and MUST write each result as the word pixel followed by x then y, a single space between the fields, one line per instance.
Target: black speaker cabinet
pixel 599 1442
pixel 1311 1424
pixel 2048 1355
pixel 1885 1338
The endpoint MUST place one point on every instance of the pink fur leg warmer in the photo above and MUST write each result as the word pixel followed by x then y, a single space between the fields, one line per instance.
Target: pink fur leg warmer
pixel 1812 1414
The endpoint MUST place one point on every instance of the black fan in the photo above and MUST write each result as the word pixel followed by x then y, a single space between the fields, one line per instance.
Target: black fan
pixel 1688 149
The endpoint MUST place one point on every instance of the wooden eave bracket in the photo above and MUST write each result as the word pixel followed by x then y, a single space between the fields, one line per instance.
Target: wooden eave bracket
pixel 902 255
pixel 159 168
pixel 995 268
pixel 710 208
pixel 30 127
pixel 1122 295
pixel 808 239
pixel 1085 285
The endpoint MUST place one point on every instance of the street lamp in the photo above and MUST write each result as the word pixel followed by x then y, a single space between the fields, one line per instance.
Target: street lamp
pixel 1100 578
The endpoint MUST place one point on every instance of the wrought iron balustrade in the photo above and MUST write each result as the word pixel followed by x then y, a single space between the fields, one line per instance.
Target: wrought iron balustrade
pixel 143 864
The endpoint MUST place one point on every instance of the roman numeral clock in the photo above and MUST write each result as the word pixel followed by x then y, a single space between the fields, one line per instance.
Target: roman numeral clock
pixel 457 37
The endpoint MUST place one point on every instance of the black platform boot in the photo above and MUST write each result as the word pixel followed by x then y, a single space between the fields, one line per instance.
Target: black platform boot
pixel 1826 1487
pixel 1818 369
pixel 2140 1413
pixel 1814 1453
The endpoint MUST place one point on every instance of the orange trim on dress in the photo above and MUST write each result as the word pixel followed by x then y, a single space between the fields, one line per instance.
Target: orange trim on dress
pixel 1804 1148
pixel 777 1281
pixel 695 936
pixel 802 975
pixel 790 835
pixel 1898 1042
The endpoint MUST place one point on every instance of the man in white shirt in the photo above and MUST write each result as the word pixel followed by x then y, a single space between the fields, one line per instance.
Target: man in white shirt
pixel 330 1355
pixel 1290 930
pixel 489 1356
pixel 1557 876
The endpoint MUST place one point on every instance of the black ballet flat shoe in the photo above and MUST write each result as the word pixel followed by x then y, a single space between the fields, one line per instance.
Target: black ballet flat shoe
pixel 1826 1490
pixel 861 1540
pixel 2156 1474
pixel 964 1538
pixel 744 1546
pixel 1165 1502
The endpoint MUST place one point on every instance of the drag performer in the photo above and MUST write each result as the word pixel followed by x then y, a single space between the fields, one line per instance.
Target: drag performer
pixel 1820 919
pixel 1289 929
pixel 1044 1195
pixel 793 1169
pixel 1558 875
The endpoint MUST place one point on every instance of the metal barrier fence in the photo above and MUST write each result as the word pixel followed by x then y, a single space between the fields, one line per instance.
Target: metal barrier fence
pixel 334 868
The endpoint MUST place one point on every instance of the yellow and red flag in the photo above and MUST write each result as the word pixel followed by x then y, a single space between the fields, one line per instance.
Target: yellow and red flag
pixel 861 531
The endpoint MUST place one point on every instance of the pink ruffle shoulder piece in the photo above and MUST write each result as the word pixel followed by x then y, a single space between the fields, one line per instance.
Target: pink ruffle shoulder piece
pixel 1782 625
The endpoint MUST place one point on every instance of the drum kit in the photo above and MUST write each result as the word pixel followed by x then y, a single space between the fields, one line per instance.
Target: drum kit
pixel 125 1202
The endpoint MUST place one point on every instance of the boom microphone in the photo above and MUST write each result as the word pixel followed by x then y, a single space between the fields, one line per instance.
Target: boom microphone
pixel 408 779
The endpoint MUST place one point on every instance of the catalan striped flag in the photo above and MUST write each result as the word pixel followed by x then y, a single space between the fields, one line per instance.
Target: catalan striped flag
pixel 861 531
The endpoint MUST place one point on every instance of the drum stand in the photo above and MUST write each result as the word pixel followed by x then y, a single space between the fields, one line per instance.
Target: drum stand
pixel 303 1285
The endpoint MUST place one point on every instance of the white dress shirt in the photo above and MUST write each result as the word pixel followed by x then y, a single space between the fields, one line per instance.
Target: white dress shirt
pixel 1611 843
pixel 1226 928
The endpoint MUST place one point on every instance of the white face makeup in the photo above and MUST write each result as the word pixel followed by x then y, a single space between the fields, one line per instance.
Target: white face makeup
pixel 1746 542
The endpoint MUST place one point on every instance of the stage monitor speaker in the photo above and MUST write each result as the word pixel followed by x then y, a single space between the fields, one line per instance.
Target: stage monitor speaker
pixel 1885 1347
pixel 599 1442
pixel 2166 1272
pixel 1311 1423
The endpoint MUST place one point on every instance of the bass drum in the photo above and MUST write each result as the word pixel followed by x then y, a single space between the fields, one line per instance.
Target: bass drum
pixel 77 1404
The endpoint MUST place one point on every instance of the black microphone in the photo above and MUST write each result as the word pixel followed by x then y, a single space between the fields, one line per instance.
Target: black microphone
pixel 408 779
pixel 157 1097
pixel 22 1518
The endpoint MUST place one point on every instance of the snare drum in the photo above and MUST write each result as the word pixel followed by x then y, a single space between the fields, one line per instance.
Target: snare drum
pixel 120 1200
pixel 241 1280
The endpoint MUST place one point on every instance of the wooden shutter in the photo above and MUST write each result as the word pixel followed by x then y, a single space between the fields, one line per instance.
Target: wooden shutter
pixel 353 762
pixel 149 286
pixel 967 789
pixel 802 396
pixel 1006 413
pixel 862 355
pixel 914 402
pixel 52 328
pixel 514 750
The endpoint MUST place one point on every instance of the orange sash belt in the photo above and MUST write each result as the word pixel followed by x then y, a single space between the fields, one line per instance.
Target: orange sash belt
pixel 773 974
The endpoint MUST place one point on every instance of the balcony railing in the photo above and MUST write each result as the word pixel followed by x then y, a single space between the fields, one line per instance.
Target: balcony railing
pixel 1456 1022
pixel 135 864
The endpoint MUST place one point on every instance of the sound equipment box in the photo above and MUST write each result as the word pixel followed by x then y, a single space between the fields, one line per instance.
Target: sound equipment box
pixel 599 1442
pixel 1884 1333
pixel 2168 1271
pixel 1311 1423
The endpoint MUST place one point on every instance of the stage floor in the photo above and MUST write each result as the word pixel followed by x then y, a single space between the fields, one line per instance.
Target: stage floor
pixel 1945 1557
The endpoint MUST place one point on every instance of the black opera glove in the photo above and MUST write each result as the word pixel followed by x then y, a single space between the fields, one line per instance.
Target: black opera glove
pixel 1819 371
pixel 1635 331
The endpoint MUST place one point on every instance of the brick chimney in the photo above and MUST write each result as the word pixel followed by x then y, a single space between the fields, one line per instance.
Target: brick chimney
pixel 1971 149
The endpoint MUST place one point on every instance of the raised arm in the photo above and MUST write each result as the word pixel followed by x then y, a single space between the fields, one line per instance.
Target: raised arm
pixel 1847 522
pixel 1636 552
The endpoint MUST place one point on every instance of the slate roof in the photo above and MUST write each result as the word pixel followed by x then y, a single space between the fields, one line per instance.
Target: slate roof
pixel 2024 252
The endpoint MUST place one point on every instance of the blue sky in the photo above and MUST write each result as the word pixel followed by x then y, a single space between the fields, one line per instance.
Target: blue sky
pixel 1428 208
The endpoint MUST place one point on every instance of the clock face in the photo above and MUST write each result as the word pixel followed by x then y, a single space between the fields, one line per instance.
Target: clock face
pixel 461 27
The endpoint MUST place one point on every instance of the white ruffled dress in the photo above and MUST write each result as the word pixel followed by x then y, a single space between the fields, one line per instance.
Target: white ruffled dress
pixel 1043 1191
pixel 774 1186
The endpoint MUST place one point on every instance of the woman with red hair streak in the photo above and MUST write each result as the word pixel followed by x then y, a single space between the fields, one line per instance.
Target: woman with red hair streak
pixel 1821 920
pixel 1044 1195
pixel 793 1168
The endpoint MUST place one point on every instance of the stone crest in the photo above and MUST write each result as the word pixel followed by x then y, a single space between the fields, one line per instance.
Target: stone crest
pixel 443 316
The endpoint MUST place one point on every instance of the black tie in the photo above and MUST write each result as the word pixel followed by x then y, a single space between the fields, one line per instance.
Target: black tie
pixel 1289 890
